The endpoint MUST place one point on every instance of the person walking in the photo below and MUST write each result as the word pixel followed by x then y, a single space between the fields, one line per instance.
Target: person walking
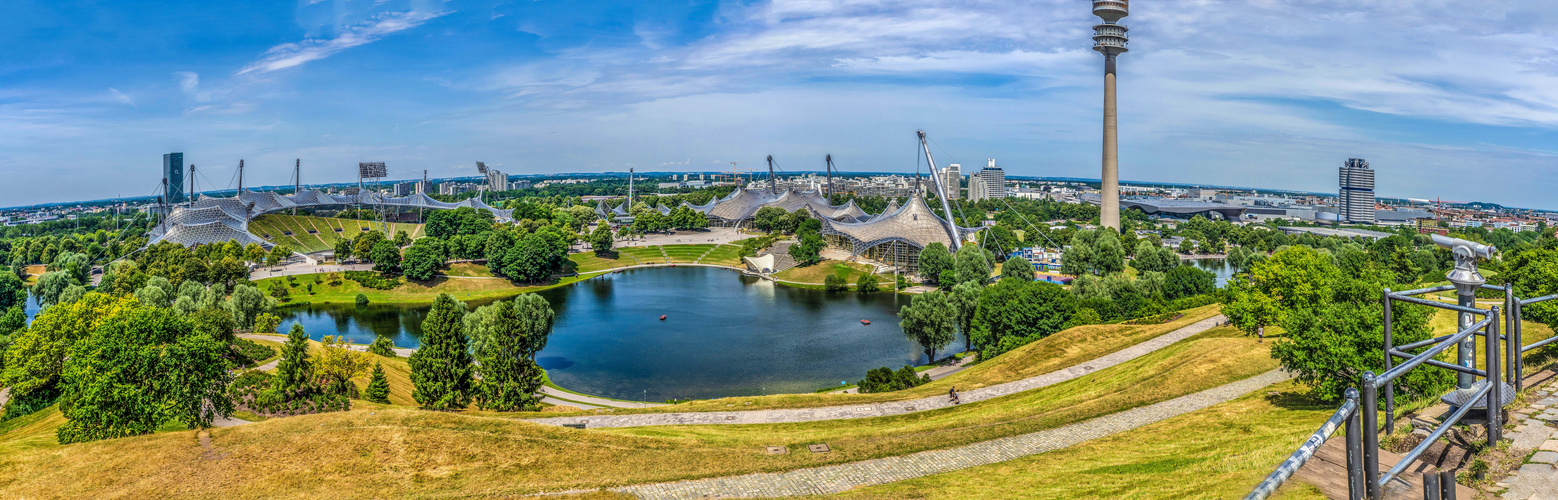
pixel 953 395
pixel 1260 334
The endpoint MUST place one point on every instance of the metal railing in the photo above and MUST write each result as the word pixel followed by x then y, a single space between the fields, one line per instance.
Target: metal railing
pixel 1359 410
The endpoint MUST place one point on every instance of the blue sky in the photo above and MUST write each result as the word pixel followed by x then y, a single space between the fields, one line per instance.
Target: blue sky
pixel 1447 99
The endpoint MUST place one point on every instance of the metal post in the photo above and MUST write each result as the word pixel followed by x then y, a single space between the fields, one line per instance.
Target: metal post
pixel 1354 451
pixel 1446 485
pixel 1495 402
pixel 1512 349
pixel 1518 345
pixel 1430 486
pixel 1390 387
pixel 1368 409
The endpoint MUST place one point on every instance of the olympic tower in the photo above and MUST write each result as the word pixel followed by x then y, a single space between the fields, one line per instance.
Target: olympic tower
pixel 1110 39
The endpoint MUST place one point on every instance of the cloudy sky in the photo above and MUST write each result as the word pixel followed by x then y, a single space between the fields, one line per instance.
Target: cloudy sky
pixel 1449 99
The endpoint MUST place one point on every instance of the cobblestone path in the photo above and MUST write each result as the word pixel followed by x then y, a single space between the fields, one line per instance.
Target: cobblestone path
pixel 837 478
pixel 868 410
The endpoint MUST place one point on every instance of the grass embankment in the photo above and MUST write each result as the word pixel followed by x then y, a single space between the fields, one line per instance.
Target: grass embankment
pixel 724 255
pixel 1217 452
pixel 469 270
pixel 410 292
pixel 1063 349
pixel 815 274
pixel 379 451
pixel 310 234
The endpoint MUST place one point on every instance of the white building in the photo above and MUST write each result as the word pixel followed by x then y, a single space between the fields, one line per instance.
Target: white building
pixel 987 183
pixel 497 181
pixel 952 180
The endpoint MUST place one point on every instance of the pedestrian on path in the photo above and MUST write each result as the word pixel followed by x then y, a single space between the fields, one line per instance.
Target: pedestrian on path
pixel 953 394
pixel 1260 334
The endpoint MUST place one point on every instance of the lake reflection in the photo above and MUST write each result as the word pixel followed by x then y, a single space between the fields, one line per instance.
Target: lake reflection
pixel 724 335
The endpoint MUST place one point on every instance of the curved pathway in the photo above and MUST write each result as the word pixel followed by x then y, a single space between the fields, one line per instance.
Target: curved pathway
pixel 839 478
pixel 868 410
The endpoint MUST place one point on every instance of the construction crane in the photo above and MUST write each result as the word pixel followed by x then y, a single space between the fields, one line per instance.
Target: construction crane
pixel 735 175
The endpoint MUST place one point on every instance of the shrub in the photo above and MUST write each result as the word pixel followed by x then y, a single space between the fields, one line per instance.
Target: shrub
pixel 866 284
pixel 373 280
pixel 362 300
pixel 266 323
pixel 884 379
pixel 247 352
pixel 835 283
pixel 383 347
pixel 378 387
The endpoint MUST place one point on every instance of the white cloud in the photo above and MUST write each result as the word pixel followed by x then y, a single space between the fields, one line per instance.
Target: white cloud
pixel 288 55
pixel 120 97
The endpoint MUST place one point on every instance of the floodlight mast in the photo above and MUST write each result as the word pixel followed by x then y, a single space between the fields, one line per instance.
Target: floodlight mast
pixel 941 193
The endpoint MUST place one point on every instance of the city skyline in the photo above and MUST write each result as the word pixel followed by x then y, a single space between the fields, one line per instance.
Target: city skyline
pixel 1269 96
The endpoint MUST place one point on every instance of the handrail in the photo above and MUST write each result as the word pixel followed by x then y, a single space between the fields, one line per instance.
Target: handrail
pixel 1543 298
pixel 1420 291
pixel 1398 370
pixel 1539 344
pixel 1441 305
pixel 1422 343
pixel 1307 450
pixel 1441 364
pixel 1433 437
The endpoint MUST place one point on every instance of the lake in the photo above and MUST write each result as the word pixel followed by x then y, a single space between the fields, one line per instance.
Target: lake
pixel 725 334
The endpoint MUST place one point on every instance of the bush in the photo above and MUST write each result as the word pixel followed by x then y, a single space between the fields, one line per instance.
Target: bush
pixel 835 283
pixel 884 379
pixel 373 280
pixel 362 300
pixel 247 352
pixel 383 347
pixel 266 323
pixel 253 392
pixel 866 284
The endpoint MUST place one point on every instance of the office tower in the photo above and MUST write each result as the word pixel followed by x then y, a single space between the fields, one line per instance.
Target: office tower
pixel 1110 39
pixel 173 172
pixel 987 183
pixel 1355 202
pixel 497 181
pixel 952 180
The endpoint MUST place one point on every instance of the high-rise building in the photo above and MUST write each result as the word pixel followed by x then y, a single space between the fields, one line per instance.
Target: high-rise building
pixel 173 172
pixel 1355 202
pixel 987 183
pixel 497 181
pixel 952 180
pixel 1110 39
pixel 423 187
pixel 406 188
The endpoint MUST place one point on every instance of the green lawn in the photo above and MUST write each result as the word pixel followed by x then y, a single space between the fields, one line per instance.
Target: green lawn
pixel 277 224
pixel 724 255
pixel 645 255
pixel 815 273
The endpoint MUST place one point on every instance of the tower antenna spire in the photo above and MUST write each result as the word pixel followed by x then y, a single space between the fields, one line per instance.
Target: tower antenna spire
pixel 1110 39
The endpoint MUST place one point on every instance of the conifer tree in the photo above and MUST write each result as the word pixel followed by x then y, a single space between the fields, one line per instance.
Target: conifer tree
pixel 378 386
pixel 294 370
pixel 441 369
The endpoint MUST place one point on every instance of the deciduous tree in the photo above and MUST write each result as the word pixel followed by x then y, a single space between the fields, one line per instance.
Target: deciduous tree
pixel 929 320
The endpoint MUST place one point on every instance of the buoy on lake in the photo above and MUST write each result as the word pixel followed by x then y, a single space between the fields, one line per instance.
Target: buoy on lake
pixel 662 317
pixel 865 322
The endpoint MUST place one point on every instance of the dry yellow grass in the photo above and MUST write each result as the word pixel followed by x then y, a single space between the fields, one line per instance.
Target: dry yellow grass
pixel 379 451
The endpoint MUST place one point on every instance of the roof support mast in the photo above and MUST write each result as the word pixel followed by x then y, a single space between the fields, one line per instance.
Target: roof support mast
pixel 941 193
pixel 773 185
pixel 829 160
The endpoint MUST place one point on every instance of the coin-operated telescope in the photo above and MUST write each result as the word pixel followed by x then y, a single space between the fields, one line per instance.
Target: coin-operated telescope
pixel 1466 280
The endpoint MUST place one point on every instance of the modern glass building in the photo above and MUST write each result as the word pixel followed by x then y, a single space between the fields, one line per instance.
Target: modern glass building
pixel 173 172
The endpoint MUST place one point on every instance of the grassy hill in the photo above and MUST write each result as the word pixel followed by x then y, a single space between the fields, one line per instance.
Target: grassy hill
pixel 310 234
pixel 377 451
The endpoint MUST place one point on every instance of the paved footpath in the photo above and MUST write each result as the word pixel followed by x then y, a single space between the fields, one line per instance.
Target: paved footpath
pixel 838 478
pixel 1534 433
pixel 869 410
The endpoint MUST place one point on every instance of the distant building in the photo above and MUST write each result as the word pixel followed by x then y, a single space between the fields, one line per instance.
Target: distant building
pixel 423 187
pixel 497 181
pixel 173 171
pixel 987 183
pixel 952 180
pixel 1355 202
pixel 405 189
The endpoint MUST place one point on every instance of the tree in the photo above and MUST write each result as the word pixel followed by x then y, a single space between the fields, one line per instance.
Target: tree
pixel 152 296
pixel 278 254
pixel 215 322
pixel 254 254
pixel 866 284
pixel 295 370
pixel 337 364
pixel 422 260
pixel 1108 255
pixel 770 219
pixel 1187 281
pixel 50 286
pixel 361 300
pixel 247 302
pixel 441 369
pixel 138 370
pixel 343 249
pixel 965 300
pixel 835 283
pixel 77 265
pixel 529 260
pixel 385 256
pixel 1013 313
pixel 973 264
pixel 601 239
pixel 378 386
pixel 266 323
pixel 933 260
pixel 72 293
pixel 402 239
pixel 37 354
pixel 382 346
pixel 1187 247
pixel 510 376
pixel 808 250
pixel 12 321
pixel 362 247
pixel 12 289
pixel 1017 268
pixel 929 321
